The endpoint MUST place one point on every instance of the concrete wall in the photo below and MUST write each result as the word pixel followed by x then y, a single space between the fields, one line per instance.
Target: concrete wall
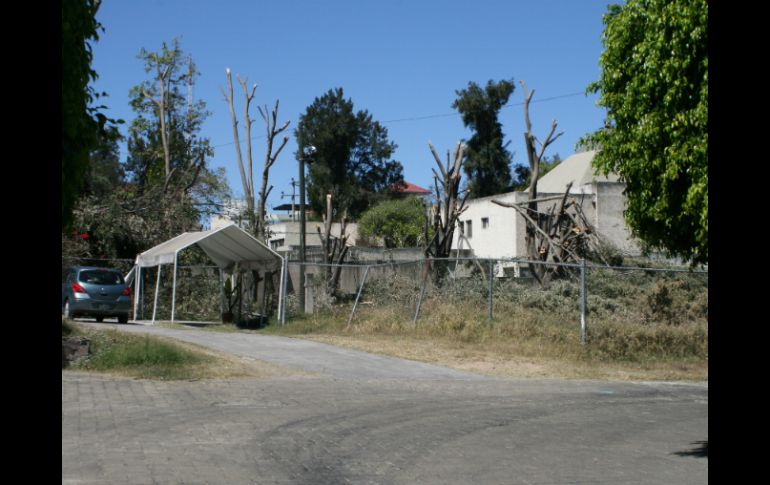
pixel 610 204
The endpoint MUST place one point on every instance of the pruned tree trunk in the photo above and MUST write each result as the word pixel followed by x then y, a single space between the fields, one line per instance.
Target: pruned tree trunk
pixel 535 220
pixel 335 249
pixel 270 158
pixel 247 190
pixel 162 103
pixel 450 206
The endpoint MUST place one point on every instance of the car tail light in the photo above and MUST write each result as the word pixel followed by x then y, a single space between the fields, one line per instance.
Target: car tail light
pixel 77 288
pixel 126 291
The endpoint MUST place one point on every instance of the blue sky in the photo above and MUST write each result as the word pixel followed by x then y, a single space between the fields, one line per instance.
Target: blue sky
pixel 398 59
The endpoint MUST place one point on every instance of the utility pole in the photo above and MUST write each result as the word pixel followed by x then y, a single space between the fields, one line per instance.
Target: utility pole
pixel 293 186
pixel 308 153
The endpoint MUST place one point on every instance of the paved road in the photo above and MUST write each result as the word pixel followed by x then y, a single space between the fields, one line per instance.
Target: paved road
pixel 341 428
pixel 310 356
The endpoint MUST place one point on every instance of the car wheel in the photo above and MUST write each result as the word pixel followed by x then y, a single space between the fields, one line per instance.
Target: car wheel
pixel 123 318
pixel 100 319
pixel 66 310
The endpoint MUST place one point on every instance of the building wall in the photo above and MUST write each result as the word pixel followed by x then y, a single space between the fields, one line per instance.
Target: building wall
pixel 502 238
pixel 286 234
pixel 505 237
pixel 610 204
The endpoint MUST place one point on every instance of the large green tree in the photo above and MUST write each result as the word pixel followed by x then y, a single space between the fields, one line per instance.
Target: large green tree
pixel 654 84
pixel 82 123
pixel 398 223
pixel 488 163
pixel 352 157
pixel 168 185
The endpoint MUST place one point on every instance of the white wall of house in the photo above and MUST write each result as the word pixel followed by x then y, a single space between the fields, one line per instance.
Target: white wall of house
pixel 494 230
pixel 500 232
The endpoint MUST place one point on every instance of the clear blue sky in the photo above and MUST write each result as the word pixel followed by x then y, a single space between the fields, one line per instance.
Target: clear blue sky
pixel 398 59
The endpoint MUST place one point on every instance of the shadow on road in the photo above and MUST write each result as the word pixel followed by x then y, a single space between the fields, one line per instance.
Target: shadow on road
pixel 701 450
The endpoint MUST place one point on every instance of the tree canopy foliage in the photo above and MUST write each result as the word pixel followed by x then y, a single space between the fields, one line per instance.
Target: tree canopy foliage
pixel 352 157
pixel 398 223
pixel 83 126
pixel 143 201
pixel 488 163
pixel 654 84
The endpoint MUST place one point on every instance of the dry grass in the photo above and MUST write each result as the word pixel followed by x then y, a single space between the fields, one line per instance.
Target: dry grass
pixel 652 334
pixel 502 360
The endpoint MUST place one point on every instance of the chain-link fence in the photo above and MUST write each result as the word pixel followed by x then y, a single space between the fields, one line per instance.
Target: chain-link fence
pixel 448 293
pixel 204 293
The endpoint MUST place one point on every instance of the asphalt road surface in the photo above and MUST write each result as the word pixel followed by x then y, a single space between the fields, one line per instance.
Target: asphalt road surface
pixel 365 419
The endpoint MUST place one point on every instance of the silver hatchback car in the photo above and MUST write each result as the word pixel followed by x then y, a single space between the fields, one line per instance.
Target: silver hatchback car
pixel 95 292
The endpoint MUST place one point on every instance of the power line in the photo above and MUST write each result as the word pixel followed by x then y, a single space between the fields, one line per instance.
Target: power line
pixel 506 106
pixel 428 117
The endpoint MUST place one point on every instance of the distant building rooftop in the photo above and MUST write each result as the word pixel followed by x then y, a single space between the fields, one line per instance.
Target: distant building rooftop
pixel 409 188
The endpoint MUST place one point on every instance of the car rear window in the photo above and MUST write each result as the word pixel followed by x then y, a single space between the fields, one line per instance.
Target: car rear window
pixel 98 277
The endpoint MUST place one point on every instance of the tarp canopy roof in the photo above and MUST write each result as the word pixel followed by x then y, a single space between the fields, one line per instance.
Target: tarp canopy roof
pixel 225 246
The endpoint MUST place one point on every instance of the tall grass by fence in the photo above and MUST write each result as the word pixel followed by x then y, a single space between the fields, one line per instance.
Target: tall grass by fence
pixel 612 310
pixel 469 296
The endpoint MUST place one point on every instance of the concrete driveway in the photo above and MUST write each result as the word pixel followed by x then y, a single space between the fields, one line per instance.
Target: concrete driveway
pixel 367 419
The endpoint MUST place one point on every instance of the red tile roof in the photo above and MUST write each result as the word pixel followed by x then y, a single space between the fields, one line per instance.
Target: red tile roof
pixel 409 188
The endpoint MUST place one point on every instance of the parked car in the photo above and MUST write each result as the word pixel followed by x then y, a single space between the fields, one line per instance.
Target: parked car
pixel 95 292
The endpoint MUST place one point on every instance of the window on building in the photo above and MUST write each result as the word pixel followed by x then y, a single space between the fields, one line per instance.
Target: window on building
pixel 461 227
pixel 468 229
pixel 484 222
pixel 275 244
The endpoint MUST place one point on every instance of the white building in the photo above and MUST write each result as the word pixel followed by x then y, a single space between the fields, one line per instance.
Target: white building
pixel 492 231
pixel 285 235
pixel 283 232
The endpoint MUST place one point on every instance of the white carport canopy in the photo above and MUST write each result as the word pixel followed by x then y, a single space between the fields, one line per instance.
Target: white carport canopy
pixel 225 246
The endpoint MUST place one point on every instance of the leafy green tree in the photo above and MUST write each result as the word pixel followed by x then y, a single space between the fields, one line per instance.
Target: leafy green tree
pixel 399 223
pixel 654 84
pixel 352 158
pixel 164 137
pixel 488 166
pixel 82 123
pixel 157 200
pixel 105 172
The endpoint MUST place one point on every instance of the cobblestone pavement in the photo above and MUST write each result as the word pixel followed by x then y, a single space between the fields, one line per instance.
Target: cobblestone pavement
pixel 330 430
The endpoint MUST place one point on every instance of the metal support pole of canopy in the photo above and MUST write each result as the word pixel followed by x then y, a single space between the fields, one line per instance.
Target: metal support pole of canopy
pixel 157 288
pixel 173 291
pixel 137 290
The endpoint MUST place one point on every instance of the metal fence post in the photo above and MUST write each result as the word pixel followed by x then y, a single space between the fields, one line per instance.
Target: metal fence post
pixel 491 275
pixel 363 281
pixel 282 290
pixel 425 271
pixel 582 301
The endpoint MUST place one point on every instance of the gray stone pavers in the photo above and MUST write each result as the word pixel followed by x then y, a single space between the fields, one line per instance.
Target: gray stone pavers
pixel 366 419
pixel 327 430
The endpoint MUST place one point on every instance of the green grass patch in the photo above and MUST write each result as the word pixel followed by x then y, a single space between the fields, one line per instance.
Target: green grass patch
pixel 142 356
pixel 150 357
